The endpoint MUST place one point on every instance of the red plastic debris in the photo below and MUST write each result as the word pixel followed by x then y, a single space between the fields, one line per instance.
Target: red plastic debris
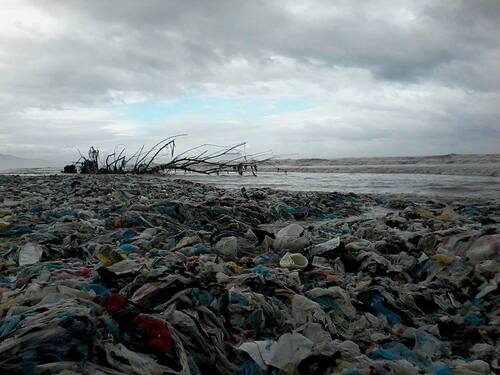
pixel 155 332
pixel 114 303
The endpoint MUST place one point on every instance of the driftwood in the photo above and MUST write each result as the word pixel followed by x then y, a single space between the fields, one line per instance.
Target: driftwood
pixel 206 159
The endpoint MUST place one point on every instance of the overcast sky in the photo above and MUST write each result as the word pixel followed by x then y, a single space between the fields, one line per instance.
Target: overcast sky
pixel 303 78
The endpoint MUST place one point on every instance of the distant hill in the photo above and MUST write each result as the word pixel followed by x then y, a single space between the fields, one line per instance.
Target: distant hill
pixel 11 161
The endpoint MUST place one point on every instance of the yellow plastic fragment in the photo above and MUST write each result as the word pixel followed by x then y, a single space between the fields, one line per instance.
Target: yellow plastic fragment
pixel 234 267
pixel 5 306
pixel 425 213
pixel 343 365
pixel 109 256
pixel 448 215
pixel 443 259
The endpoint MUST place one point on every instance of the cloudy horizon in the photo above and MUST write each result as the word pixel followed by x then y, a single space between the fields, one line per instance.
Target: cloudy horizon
pixel 302 78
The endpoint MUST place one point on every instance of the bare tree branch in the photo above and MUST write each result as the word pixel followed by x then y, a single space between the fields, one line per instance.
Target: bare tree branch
pixel 200 159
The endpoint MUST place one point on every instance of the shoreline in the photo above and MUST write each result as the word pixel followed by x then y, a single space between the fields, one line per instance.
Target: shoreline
pixel 410 186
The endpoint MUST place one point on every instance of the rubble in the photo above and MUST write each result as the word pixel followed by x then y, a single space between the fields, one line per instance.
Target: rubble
pixel 150 275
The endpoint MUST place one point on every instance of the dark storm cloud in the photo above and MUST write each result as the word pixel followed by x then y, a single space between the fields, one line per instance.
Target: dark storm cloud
pixel 395 41
pixel 420 67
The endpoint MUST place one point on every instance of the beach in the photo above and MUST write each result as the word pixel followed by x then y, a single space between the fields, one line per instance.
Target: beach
pixel 147 274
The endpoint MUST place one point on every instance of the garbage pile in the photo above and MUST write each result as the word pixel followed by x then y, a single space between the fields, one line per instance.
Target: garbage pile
pixel 146 275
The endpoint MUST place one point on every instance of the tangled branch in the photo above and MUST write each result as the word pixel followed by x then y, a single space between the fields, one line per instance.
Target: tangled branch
pixel 205 159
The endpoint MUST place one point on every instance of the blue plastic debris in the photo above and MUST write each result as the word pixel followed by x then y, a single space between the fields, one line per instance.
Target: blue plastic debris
pixel 377 304
pixel 62 213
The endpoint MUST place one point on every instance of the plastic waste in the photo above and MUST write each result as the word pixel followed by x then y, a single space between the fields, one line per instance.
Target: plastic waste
pixel 227 246
pixel 284 354
pixel 324 249
pixel 151 275
pixel 293 261
pixel 291 238
pixel 30 253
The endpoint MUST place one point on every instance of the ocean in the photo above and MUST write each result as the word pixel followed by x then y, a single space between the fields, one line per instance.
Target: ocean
pixel 372 183
pixel 412 184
